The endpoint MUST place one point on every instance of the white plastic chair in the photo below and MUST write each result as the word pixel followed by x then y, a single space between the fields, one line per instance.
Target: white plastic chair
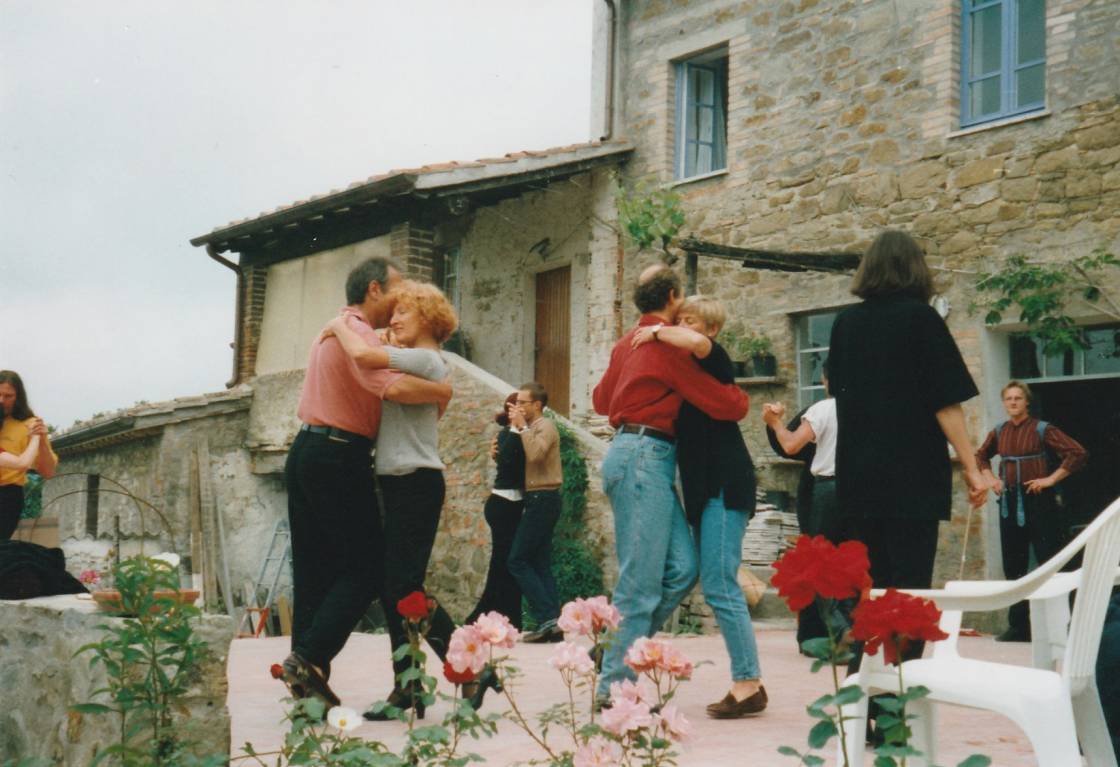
pixel 1054 709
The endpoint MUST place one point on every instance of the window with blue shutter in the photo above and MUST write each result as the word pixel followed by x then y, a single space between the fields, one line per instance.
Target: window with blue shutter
pixel 701 145
pixel 1003 59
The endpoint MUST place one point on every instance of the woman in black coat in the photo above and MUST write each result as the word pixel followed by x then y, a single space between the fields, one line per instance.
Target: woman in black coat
pixel 503 514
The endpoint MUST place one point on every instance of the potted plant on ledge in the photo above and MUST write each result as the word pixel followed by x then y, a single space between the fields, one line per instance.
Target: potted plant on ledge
pixel 735 343
pixel 760 349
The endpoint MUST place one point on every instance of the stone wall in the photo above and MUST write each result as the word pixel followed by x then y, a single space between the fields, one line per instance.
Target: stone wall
pixel 41 678
pixel 842 121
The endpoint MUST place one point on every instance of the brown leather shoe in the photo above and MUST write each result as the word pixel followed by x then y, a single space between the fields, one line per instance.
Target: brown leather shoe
pixel 729 708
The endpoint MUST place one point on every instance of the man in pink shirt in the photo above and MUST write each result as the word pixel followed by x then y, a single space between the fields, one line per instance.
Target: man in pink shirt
pixel 332 505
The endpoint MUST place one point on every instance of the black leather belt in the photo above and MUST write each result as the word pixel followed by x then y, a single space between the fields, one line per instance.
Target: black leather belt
pixel 823 479
pixel 338 435
pixel 646 431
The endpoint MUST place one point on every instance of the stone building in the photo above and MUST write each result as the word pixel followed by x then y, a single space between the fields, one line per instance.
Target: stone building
pixel 795 129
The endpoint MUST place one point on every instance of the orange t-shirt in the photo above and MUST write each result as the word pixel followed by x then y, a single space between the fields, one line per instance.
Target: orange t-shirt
pixel 338 393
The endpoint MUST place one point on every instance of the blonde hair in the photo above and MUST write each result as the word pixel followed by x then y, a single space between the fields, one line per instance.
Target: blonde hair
pixel 1013 384
pixel 706 308
pixel 436 312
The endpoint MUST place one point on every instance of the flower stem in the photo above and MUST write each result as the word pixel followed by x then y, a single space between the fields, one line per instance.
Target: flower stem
pixel 520 719
pixel 832 645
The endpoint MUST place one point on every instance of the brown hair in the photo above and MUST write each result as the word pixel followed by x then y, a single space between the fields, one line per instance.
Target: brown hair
pixel 654 293
pixel 893 265
pixel 1013 384
pixel 502 418
pixel 21 410
pixel 536 391
pixel 436 312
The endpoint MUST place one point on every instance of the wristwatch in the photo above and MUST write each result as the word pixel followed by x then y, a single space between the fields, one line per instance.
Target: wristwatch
pixel 656 328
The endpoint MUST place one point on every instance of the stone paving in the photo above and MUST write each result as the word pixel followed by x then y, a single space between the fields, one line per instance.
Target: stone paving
pixel 362 673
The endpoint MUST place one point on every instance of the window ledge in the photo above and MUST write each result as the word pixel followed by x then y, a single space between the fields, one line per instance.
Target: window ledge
pixel 760 381
pixel 999 123
pixel 701 177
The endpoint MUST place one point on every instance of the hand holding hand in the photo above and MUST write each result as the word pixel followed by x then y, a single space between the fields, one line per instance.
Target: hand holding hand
pixel 494 448
pixel 643 335
pixel 329 330
pixel 773 412
pixel 1038 485
pixel 36 427
pixel 517 417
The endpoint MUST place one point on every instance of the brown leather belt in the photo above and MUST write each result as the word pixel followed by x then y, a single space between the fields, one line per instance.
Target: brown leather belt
pixel 646 431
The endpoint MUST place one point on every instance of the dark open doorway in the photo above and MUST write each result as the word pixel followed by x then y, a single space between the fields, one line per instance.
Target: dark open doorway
pixel 1089 411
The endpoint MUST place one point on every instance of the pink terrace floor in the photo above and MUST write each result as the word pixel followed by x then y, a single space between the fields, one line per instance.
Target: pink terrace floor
pixel 361 674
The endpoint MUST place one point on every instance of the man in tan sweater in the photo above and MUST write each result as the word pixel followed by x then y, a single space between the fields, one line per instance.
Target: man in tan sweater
pixel 530 559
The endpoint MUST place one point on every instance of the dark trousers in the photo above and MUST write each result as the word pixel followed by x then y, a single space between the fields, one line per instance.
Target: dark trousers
pixel 1043 531
pixel 902 553
pixel 501 592
pixel 530 559
pixel 336 542
pixel 412 504
pixel 11 507
pixel 823 517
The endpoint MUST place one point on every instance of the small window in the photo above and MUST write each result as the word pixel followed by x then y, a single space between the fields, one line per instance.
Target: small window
pixel 450 281
pixel 93 489
pixel 1003 59
pixel 814 331
pixel 701 145
pixel 1100 359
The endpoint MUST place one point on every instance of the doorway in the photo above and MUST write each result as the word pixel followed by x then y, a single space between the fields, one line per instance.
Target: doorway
pixel 552 343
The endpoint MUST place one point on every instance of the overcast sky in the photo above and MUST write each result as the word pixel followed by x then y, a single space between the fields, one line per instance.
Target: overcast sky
pixel 126 128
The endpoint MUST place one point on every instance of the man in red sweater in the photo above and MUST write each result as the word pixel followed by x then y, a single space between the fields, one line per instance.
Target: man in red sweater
pixel 641 392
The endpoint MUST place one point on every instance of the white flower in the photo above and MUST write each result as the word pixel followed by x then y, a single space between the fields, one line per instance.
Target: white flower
pixel 343 718
pixel 168 558
pixel 569 656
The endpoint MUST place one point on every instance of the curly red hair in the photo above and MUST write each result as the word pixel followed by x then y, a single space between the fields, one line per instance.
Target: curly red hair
pixel 435 311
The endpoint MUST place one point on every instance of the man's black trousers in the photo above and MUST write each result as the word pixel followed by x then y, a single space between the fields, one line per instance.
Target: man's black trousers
pixel 337 547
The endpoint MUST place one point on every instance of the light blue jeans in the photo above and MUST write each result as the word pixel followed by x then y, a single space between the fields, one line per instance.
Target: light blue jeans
pixel 721 552
pixel 656 553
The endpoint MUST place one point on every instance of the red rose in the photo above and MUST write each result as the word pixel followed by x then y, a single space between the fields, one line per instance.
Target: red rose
pixel 815 567
pixel 893 620
pixel 457 677
pixel 414 607
pixel 276 670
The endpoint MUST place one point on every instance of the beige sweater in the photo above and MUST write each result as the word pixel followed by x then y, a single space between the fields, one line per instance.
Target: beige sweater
pixel 542 455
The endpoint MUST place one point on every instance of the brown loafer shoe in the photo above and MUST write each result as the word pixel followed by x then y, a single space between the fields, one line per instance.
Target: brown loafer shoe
pixel 729 708
pixel 304 681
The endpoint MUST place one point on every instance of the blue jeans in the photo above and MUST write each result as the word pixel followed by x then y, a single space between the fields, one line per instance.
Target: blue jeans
pixel 530 556
pixel 721 552
pixel 656 553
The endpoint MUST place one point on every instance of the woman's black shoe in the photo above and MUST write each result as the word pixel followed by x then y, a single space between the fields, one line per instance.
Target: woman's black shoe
pixel 398 699
pixel 475 691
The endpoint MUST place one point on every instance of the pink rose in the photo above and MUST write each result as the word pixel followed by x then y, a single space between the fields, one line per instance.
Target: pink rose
pixel 576 618
pixel 674 723
pixel 604 615
pixel 677 663
pixel 646 655
pixel 467 650
pixel 639 692
pixel 496 629
pixel 572 658
pixel 624 716
pixel 89 577
pixel 598 752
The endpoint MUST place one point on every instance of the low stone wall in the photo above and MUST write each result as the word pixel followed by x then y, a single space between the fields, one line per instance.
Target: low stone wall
pixel 40 678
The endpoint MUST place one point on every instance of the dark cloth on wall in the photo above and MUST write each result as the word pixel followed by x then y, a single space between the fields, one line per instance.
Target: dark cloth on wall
pixel 11 508
pixel 336 541
pixel 893 365
pixel 510 462
pixel 28 570
pixel 501 592
pixel 711 454
pixel 412 506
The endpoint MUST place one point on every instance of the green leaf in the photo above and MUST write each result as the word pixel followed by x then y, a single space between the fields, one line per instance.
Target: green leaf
pixel 811 760
pixel 914 693
pixel 850 694
pixel 885 761
pixel 888 703
pixel 821 732
pixel 819 647
pixel 90 708
pixel 788 751
pixel 976 760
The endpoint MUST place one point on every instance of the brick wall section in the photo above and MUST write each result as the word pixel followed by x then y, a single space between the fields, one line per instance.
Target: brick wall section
pixel 412 248
pixel 255 281
pixel 842 121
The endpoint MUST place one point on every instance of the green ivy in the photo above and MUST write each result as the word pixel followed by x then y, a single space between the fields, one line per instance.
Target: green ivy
pixel 32 497
pixel 577 573
pixel 1041 292
pixel 650 218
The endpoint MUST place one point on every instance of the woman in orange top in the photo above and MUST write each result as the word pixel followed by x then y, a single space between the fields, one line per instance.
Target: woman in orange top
pixel 23 445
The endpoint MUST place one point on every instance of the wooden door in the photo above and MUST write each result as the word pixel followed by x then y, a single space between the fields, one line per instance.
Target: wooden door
pixel 552 361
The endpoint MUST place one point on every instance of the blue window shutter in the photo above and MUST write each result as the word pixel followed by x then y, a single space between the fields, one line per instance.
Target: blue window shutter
pixel 1021 71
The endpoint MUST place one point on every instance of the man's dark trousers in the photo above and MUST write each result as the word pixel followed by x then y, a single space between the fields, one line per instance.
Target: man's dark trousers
pixel 530 558
pixel 336 541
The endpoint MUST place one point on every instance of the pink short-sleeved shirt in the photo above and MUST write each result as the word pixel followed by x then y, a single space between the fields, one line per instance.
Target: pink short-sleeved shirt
pixel 336 392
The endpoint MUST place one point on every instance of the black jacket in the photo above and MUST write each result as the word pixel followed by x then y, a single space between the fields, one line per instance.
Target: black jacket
pixel 510 461
pixel 711 454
